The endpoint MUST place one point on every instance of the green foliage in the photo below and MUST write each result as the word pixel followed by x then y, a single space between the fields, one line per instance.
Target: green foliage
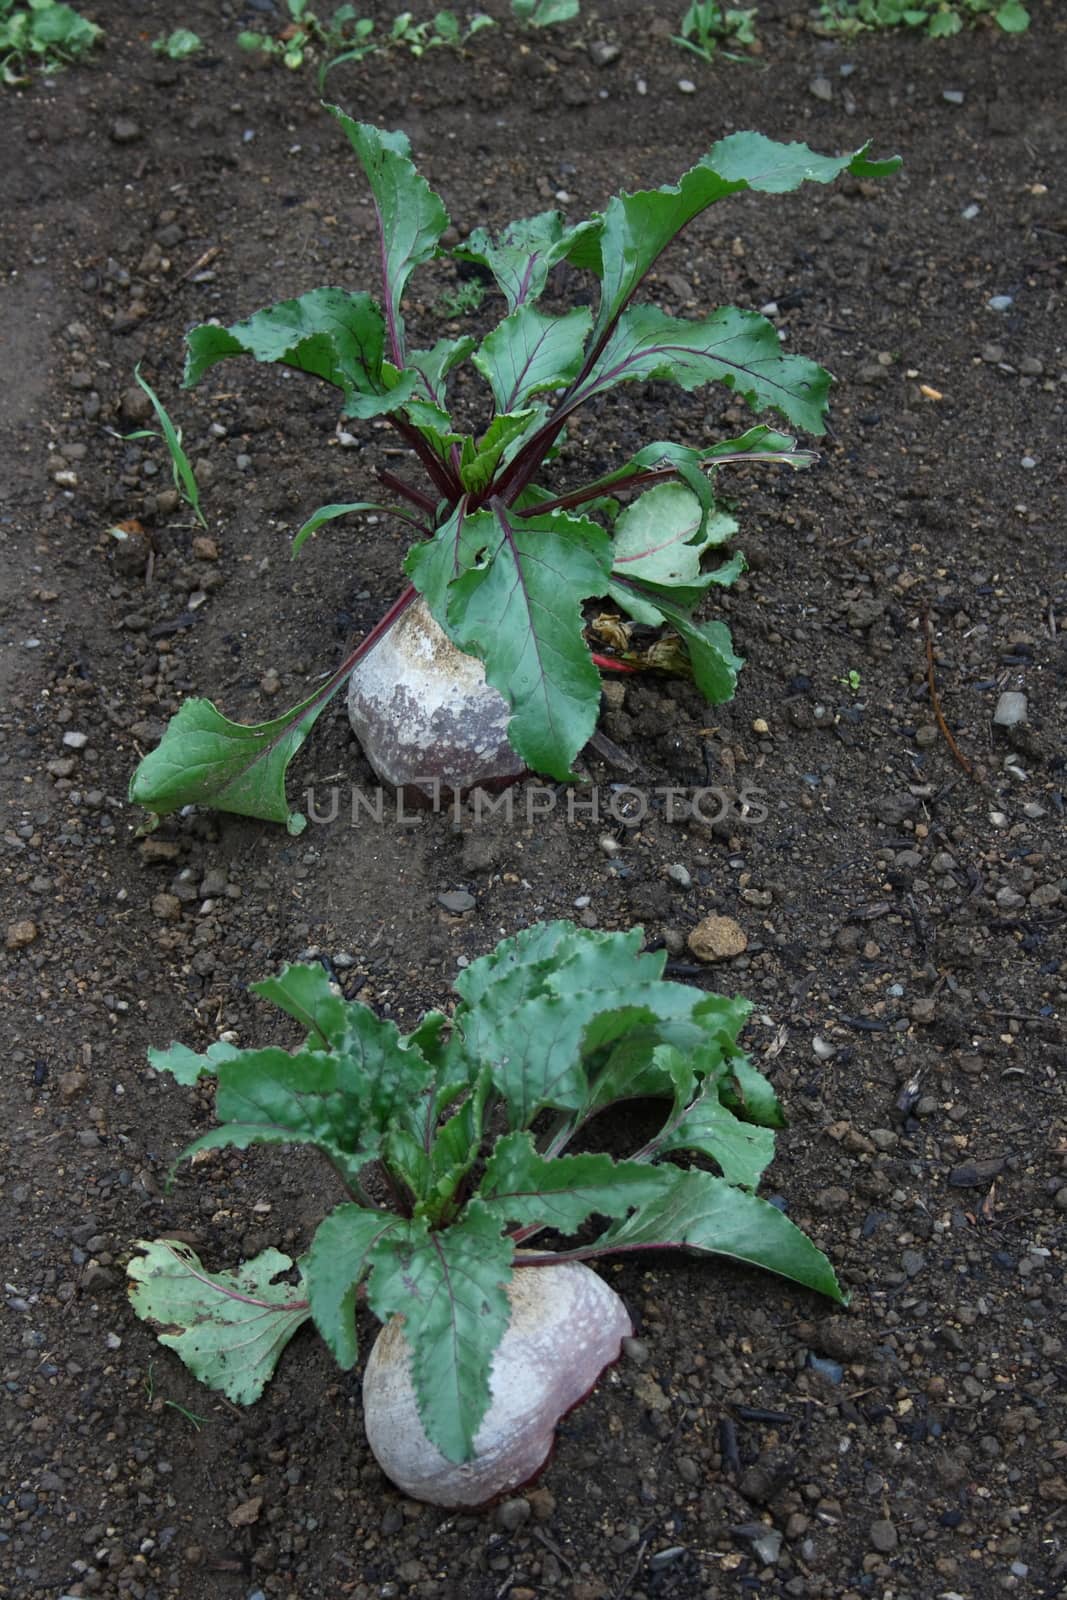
pixel 44 34
pixel 939 19
pixel 228 1327
pixel 505 564
pixel 710 24
pixel 346 37
pixel 466 1123
pixel 543 13
pixel 180 465
pixel 179 45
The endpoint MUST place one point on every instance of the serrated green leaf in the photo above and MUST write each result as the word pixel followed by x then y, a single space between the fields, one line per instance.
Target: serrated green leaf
pixel 742 1150
pixel 531 1045
pixel 521 1187
pixel 229 1328
pixel 410 216
pixel 455 1143
pixel 738 348
pixel 380 1071
pixel 518 608
pixel 678 1037
pixel 185 1065
pixel 527 1014
pixel 532 950
pixel 523 255
pixel 662 536
pixel 305 992
pixel 271 1097
pixel 749 1096
pixel 204 759
pixel 451 1289
pixel 706 1214
pixel 329 333
pixel 335 1266
pixel 638 227
pixel 529 353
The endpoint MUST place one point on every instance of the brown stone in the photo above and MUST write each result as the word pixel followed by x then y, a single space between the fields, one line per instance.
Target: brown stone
pixel 717 939
pixel 20 934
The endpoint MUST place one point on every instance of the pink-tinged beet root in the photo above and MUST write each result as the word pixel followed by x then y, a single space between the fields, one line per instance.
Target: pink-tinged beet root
pixel 566 1326
pixel 425 715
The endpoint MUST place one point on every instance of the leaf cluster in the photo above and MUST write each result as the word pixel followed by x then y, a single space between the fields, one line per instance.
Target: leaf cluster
pixel 345 36
pixel 451 1141
pixel 504 562
pixel 42 33
pixel 939 19
pixel 710 24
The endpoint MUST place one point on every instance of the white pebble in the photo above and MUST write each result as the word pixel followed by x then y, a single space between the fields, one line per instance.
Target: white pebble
pixel 75 741
pixel 686 86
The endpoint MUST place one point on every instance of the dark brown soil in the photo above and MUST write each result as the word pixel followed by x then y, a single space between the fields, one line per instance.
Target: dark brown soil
pixel 909 916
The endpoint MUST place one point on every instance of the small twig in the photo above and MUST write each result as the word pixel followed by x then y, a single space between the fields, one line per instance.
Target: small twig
pixel 936 703
pixel 202 261
pixel 542 1538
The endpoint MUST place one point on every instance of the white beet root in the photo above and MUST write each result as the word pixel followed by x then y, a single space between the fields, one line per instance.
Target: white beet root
pixel 566 1326
pixel 422 710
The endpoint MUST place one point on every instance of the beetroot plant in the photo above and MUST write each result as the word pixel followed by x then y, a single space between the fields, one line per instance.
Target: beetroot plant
pixel 504 558
pixel 452 1142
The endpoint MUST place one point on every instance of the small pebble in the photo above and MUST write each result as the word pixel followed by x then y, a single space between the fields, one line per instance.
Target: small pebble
pixel 883 1536
pixel 953 96
pixel 821 88
pixel 75 741
pixel 717 939
pixel 833 1371
pixel 680 875
pixel 457 901
pixel 124 131
pixel 512 1514
pixel 999 302
pixel 1011 709
pixel 686 86
pixel 20 934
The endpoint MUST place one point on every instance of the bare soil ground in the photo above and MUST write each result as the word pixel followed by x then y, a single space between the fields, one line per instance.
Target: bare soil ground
pixel 907 915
